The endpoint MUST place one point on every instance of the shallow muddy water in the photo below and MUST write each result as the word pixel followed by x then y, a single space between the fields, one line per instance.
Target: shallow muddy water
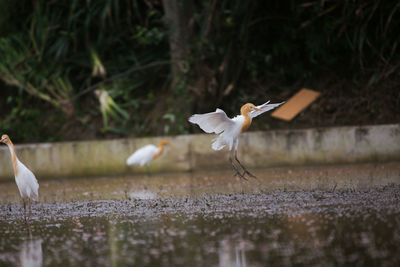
pixel 343 215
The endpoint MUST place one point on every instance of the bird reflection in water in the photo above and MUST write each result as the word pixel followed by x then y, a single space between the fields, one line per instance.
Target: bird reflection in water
pixel 232 254
pixel 31 251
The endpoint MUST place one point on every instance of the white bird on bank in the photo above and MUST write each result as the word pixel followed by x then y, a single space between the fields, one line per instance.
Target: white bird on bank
pixel 228 130
pixel 26 181
pixel 147 153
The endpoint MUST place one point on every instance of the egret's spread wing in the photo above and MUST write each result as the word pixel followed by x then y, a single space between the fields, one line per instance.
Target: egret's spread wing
pixel 265 107
pixel 213 122
pixel 142 156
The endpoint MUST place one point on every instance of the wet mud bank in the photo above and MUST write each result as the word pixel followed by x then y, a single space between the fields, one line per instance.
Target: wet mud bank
pixel 266 202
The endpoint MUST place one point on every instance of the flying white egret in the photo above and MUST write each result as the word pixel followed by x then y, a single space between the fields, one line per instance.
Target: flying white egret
pixel 228 130
pixel 147 153
pixel 26 181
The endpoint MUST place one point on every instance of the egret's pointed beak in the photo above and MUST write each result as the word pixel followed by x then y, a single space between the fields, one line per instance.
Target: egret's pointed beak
pixel 259 109
pixel 171 146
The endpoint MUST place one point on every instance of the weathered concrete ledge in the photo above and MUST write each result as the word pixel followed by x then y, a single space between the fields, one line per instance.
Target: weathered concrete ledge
pixel 334 145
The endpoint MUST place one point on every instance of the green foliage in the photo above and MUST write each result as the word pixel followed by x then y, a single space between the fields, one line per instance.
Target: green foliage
pixel 21 121
pixel 59 52
pixel 251 43
pixel 61 49
pixel 153 36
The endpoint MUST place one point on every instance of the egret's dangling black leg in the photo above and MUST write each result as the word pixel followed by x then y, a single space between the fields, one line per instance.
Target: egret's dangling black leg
pixel 245 171
pixel 29 207
pixel 237 172
pixel 23 200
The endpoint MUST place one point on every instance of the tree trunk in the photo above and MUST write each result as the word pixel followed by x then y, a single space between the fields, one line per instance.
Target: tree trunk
pixel 178 14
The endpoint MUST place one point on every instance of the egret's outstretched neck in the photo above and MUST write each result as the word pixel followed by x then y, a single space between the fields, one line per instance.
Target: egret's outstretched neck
pixel 160 151
pixel 13 157
pixel 247 119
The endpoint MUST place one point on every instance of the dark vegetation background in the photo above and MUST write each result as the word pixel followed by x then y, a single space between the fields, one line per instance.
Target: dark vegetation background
pixel 153 63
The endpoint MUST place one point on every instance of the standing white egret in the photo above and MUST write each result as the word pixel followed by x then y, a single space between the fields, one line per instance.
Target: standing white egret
pixel 147 153
pixel 228 130
pixel 26 181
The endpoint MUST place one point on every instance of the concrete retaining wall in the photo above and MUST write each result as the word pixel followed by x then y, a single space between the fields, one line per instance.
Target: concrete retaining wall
pixel 193 152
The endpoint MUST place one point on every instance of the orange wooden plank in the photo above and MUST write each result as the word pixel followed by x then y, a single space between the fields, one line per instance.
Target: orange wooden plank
pixel 295 104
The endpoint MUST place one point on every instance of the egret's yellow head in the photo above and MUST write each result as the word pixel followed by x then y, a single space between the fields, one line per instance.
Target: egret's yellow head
pixel 165 142
pixel 5 139
pixel 246 108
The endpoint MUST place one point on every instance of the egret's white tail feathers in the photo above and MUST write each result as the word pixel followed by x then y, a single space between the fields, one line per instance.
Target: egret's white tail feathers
pixel 33 193
pixel 224 139
pixel 35 190
pixel 217 144
pixel 35 196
